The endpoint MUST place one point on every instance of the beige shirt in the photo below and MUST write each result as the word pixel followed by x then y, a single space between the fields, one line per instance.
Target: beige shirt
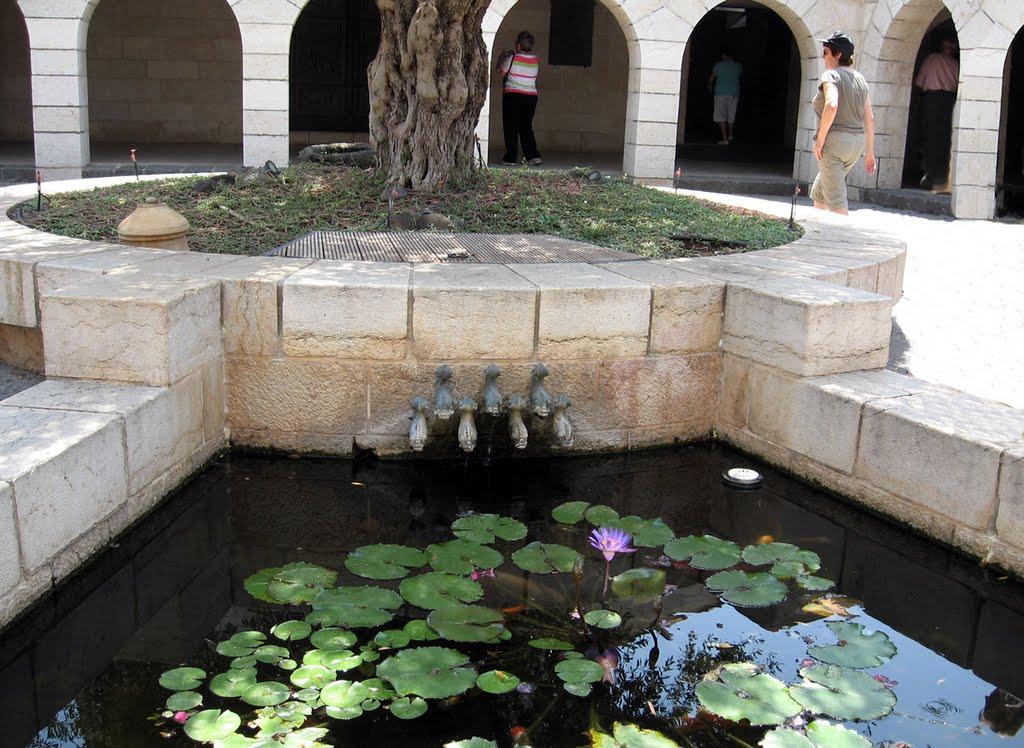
pixel 853 92
pixel 938 72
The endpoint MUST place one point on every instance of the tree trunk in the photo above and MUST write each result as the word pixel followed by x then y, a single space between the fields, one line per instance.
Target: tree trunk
pixel 427 85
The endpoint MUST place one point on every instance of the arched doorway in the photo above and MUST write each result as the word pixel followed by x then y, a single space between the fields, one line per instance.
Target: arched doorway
pixel 165 78
pixel 915 154
pixel 333 43
pixel 581 114
pixel 16 153
pixel 766 118
pixel 1010 183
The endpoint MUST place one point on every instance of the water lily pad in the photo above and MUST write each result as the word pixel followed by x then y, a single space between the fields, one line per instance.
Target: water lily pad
pixel 842 693
pixel 308 737
pixel 578 689
pixel 473 742
pixel 570 512
pixel 545 558
pixel 341 659
pixel 256 585
pixel 497 681
pixel 384 561
pixel 484 528
pixel 579 671
pixel 291 630
pixel 747 590
pixel 354 607
pixel 704 551
pixel 344 712
pixel 378 690
pixel 463 557
pixel 639 584
pixel 430 672
pixel 599 514
pixel 393 638
pixel 241 741
pixel 268 693
pixel 553 645
pixel 437 589
pixel 467 623
pixel 293 583
pixel 787 559
pixel 419 630
pixel 233 683
pixel 212 724
pixel 333 639
pixel 243 663
pixel 182 701
pixel 406 708
pixel 309 695
pixel 343 694
pixel 231 648
pixel 819 734
pixel 737 691
pixel 630 736
pixel 270 654
pixel 603 619
pixel 312 676
pixel 646 533
pixel 813 583
pixel 183 679
pixel 857 647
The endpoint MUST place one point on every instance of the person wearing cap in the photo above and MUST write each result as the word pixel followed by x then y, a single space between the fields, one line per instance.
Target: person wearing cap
pixel 846 124
pixel 938 79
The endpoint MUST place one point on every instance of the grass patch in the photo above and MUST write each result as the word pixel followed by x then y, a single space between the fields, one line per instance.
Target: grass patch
pixel 252 219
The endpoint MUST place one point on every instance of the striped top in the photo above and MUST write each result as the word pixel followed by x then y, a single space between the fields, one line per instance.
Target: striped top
pixel 521 76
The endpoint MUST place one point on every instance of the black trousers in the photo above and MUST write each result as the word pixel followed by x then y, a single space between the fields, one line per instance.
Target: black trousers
pixel 937 131
pixel 517 112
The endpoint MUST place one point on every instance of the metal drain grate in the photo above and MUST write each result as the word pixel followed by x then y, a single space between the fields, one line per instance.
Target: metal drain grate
pixel 428 246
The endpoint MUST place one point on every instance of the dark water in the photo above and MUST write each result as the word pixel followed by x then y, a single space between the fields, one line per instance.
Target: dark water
pixel 81 668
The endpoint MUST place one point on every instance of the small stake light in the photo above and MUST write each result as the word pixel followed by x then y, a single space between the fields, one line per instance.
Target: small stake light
pixel 135 164
pixel 742 478
pixel 792 205
pixel 39 191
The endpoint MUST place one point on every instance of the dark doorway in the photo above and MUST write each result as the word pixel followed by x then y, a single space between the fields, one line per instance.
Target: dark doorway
pixel 332 44
pixel 913 156
pixel 1011 199
pixel 765 127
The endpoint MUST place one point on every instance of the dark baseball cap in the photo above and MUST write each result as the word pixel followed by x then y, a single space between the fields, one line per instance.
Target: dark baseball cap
pixel 839 41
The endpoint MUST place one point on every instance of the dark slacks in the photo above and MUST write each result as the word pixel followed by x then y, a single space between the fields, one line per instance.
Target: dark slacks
pixel 937 129
pixel 517 112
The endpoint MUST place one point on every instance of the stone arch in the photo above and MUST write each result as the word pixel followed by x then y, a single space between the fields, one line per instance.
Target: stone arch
pixel 164 73
pixel 15 80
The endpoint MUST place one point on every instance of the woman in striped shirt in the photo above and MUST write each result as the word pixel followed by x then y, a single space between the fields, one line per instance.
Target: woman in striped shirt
pixel 519 100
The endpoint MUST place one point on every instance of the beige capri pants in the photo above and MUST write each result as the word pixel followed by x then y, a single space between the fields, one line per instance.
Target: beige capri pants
pixel 838 157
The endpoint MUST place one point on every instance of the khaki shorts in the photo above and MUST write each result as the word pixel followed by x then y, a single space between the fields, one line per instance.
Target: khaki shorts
pixel 841 151
pixel 725 108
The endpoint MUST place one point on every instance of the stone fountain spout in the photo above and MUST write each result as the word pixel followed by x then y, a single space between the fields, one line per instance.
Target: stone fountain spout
pixel 467 429
pixel 418 427
pixel 516 427
pixel 540 400
pixel 492 395
pixel 444 400
pixel 563 426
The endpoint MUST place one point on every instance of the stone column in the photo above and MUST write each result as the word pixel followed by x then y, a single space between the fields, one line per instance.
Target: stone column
pixel 976 132
pixel 266 29
pixel 60 91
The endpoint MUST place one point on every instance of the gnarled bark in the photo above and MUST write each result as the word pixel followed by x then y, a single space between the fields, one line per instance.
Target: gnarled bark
pixel 427 85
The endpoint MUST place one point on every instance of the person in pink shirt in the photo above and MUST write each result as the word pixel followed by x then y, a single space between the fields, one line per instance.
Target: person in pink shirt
pixel 938 79
pixel 519 100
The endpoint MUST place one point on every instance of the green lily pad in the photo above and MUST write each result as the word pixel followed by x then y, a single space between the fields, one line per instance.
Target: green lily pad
pixel 578 689
pixel 291 630
pixel 384 561
pixel 420 631
pixel 784 737
pixel 182 679
pixel 630 736
pixel 813 583
pixel 287 664
pixel 467 623
pixel 256 585
pixel 243 663
pixel 292 584
pixel 309 695
pixel 545 558
pixel 640 585
pixel 599 514
pixel 333 639
pixel 704 551
pixel 312 676
pixel 570 512
pixel 212 724
pixel 235 649
pixel 393 638
pixel 579 671
pixel 787 559
pixel 842 693
pixel 646 533
pixel 819 734
pixel 463 557
pixel 183 701
pixel 340 659
pixel 603 619
pixel 270 654
pixel 406 708
pixel 378 690
pixel 343 694
pixel 233 683
pixel 856 648
pixel 269 693
pixel 747 590
pixel 550 644
pixel 484 528
pixel 738 691
pixel 430 672
pixel 241 741
pixel 308 737
pixel 437 589
pixel 497 681
pixel 344 712
pixel 473 742
pixel 354 607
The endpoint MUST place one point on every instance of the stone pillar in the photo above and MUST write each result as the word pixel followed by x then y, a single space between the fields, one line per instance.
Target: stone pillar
pixel 266 29
pixel 976 132
pixel 60 92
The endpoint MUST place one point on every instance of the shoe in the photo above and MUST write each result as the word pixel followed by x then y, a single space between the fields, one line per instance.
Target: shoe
pixel 723 142
pixel 535 161
pixel 510 163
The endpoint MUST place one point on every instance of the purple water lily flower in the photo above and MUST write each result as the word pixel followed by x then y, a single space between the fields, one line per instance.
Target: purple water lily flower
pixel 611 540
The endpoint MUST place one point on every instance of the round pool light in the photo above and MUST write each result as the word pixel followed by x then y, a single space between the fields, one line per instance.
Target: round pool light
pixel 742 478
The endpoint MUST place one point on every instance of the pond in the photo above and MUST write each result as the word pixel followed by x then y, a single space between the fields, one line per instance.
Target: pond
pixel 83 667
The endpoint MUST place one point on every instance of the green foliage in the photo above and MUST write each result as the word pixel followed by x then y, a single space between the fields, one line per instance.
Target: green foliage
pixel 384 561
pixel 842 693
pixel 483 528
pixel 630 736
pixel 739 691
pixel 438 590
pixel 704 552
pixel 546 558
pixel 747 590
pixel 857 648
